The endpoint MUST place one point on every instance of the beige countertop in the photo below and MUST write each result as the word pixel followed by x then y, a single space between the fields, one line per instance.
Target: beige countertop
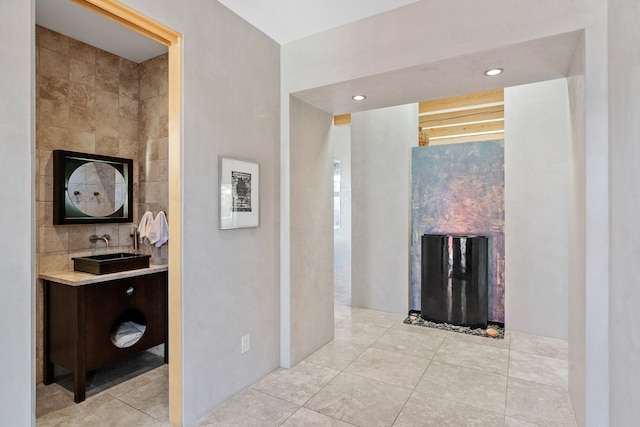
pixel 78 278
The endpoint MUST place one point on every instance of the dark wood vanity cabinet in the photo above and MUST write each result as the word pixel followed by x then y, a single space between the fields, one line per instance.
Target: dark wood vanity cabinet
pixel 80 321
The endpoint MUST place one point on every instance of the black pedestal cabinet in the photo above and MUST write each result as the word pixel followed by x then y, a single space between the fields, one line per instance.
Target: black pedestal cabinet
pixel 454 279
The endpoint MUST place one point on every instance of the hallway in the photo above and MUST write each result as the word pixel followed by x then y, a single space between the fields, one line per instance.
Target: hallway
pixel 377 372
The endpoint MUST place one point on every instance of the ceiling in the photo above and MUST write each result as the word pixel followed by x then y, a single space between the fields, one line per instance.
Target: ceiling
pixel 288 20
pixel 282 20
pixel 533 61
pixel 75 21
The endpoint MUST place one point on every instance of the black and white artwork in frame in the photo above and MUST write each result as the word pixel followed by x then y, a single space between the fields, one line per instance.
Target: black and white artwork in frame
pixel 239 193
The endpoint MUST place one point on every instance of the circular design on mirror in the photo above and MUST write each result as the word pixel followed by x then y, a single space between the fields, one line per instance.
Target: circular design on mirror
pixel 97 189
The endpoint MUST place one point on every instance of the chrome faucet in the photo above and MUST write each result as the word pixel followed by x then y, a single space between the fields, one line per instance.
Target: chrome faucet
pixel 94 238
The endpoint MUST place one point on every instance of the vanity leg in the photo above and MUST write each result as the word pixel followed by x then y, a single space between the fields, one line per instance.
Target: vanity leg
pixel 80 364
pixel 79 386
pixel 48 371
pixel 166 352
pixel 48 366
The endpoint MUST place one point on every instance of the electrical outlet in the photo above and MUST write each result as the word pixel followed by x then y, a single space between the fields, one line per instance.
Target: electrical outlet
pixel 246 343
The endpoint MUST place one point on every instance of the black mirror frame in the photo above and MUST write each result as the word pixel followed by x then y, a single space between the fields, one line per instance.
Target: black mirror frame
pixel 64 163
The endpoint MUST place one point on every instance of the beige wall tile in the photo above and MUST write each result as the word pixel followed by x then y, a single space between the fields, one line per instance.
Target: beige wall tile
pixel 108 229
pixel 54 113
pixel 52 40
pixel 82 72
pixel 130 88
pixel 54 261
pixel 82 51
pixel 156 192
pixel 164 126
pixel 82 119
pixel 128 129
pixel 157 171
pixel 44 213
pixel 84 142
pixel 154 107
pixel 107 102
pixel 106 61
pixel 154 86
pixel 153 149
pixel 107 145
pixel 124 234
pixel 79 237
pixel 82 96
pixel 44 162
pixel 128 108
pixel 44 188
pixel 107 125
pixel 128 149
pixel 154 66
pixel 53 64
pixel 106 80
pixel 128 70
pixel 51 137
pixel 53 88
pixel 149 128
pixel 52 239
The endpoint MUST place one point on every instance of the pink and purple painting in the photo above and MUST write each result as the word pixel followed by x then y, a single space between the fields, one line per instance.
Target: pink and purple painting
pixel 459 189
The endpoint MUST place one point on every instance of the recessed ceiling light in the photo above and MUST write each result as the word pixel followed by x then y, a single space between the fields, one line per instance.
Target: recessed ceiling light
pixel 358 97
pixel 494 71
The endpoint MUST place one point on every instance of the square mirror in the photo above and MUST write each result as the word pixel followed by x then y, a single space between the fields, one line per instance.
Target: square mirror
pixel 90 188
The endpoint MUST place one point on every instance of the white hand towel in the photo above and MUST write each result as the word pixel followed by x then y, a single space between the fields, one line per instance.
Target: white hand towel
pixel 145 226
pixel 159 233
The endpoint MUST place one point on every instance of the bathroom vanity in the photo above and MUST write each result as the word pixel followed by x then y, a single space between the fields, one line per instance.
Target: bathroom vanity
pixel 85 314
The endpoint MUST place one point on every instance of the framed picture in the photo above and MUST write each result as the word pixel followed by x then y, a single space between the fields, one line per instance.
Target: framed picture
pixel 239 193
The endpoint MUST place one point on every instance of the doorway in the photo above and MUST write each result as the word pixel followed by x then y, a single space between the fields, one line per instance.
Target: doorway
pixel 172 123
pixel 341 139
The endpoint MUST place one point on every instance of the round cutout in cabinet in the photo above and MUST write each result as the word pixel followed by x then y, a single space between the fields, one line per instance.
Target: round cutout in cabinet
pixel 128 328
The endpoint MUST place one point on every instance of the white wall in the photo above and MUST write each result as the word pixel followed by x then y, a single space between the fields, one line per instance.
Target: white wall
pixel 341 140
pixel 381 142
pixel 624 134
pixel 17 223
pixel 230 283
pixel 311 307
pixel 536 152
pixel 577 236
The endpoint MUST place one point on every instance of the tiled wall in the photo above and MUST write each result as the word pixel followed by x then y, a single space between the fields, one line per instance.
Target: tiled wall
pixel 153 149
pixel 92 101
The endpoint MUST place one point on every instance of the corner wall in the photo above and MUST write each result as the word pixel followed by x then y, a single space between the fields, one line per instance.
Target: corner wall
pixel 537 140
pixel 624 134
pixel 17 217
pixel 577 235
pixel 311 230
pixel 381 142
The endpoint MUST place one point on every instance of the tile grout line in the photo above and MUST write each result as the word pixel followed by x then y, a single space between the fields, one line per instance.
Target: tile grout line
pixel 418 382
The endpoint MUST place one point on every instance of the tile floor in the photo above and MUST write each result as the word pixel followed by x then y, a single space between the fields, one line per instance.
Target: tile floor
pixel 377 372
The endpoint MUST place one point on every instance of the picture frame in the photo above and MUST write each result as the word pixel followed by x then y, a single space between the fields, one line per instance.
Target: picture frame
pixel 239 193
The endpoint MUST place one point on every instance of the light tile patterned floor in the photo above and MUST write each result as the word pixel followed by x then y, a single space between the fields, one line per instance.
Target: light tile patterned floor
pixel 377 372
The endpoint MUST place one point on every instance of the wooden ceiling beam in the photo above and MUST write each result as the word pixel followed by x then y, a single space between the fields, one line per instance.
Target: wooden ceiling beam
pixel 467 138
pixel 465 129
pixel 472 100
pixel 462 117
pixel 342 119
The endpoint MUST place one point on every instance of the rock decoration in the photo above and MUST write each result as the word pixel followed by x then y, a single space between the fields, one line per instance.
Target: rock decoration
pixel 415 319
